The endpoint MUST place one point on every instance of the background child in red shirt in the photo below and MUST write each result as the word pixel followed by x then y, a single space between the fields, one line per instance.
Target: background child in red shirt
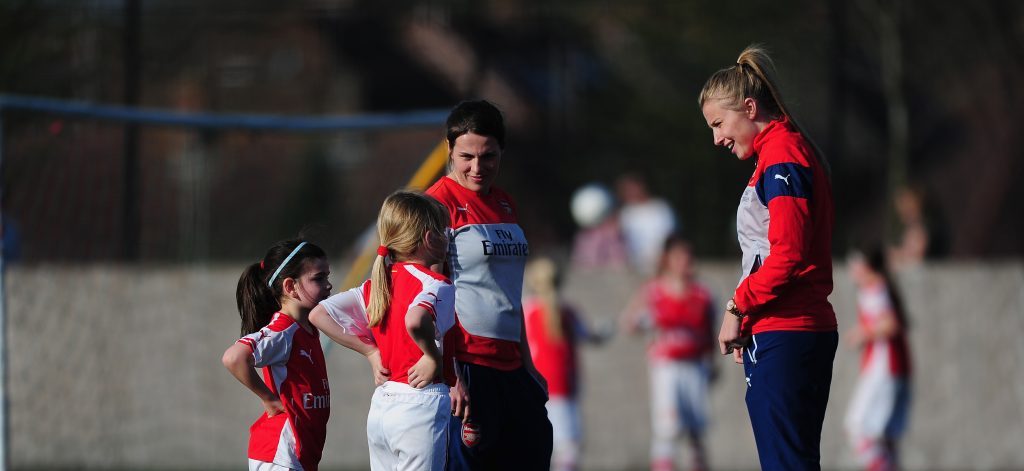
pixel 680 311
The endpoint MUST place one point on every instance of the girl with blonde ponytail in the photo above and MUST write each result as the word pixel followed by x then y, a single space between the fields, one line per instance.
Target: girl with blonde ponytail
pixel 554 330
pixel 407 307
pixel 779 322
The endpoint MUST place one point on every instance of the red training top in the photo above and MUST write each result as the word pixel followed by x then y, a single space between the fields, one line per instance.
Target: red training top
pixel 784 226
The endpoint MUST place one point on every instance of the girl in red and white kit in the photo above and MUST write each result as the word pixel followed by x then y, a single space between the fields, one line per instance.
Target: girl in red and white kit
pixel 554 331
pixel 398 319
pixel 275 296
pixel 877 414
pixel 681 312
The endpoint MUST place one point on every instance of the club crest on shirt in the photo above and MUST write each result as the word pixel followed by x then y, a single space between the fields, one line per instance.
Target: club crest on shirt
pixel 506 206
pixel 470 434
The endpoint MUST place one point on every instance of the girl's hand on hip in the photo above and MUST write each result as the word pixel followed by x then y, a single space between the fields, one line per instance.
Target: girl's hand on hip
pixel 273 407
pixel 424 372
pixel 380 374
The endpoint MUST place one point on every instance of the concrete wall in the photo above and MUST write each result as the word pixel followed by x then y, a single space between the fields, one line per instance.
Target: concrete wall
pixel 114 367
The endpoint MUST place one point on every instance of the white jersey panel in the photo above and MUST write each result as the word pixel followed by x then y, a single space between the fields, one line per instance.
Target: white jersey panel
pixel 487 265
pixel 752 231
pixel 286 447
pixel 270 347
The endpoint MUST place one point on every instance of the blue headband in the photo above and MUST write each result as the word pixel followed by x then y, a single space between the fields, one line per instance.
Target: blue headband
pixel 285 262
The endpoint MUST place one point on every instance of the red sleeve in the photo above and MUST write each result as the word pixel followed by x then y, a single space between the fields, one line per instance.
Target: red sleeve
pixel 786 188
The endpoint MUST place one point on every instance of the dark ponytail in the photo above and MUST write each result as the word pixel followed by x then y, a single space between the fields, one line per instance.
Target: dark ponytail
pixel 257 302
pixel 876 260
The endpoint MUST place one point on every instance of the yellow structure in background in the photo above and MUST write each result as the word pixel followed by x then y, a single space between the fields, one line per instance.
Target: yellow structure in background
pixel 425 175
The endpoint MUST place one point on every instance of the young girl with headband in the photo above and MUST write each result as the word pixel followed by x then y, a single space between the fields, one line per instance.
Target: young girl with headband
pixel 398 319
pixel 275 296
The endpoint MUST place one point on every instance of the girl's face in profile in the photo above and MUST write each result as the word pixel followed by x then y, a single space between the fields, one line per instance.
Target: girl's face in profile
pixel 437 246
pixel 732 129
pixel 313 285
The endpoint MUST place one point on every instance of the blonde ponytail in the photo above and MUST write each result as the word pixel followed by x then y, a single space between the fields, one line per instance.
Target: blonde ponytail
pixel 753 76
pixel 380 291
pixel 543 278
pixel 405 218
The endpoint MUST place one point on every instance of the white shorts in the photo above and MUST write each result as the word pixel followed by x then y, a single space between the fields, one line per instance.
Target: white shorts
pixel 255 465
pixel 879 406
pixel 567 432
pixel 679 397
pixel 564 414
pixel 407 427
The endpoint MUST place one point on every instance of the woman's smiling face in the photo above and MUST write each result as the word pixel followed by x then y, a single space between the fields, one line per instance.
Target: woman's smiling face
pixel 733 129
pixel 475 161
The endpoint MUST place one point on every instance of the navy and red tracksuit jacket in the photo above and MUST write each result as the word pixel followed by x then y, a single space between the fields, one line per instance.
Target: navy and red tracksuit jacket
pixel 784 227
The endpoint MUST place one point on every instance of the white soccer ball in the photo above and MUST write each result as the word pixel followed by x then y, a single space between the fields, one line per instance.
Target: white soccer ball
pixel 591 204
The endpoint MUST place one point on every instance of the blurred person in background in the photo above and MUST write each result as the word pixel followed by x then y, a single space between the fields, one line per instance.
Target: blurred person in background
pixel 779 323
pixel 681 313
pixel 554 330
pixel 506 426
pixel 598 244
pixel 600 247
pixel 921 236
pixel 645 222
pixel 878 411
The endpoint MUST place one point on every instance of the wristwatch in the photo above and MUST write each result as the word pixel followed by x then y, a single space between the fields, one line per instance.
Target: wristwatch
pixel 731 308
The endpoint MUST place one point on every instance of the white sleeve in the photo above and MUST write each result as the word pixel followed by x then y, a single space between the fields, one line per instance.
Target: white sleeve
pixel 348 309
pixel 269 347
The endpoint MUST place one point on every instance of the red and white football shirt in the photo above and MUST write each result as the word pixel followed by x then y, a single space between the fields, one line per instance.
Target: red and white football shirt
pixel 294 369
pixel 888 354
pixel 682 321
pixel 412 285
pixel 554 357
pixel 487 255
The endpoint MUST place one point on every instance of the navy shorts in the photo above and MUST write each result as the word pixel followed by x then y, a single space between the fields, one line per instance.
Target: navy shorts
pixel 508 428
pixel 789 374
